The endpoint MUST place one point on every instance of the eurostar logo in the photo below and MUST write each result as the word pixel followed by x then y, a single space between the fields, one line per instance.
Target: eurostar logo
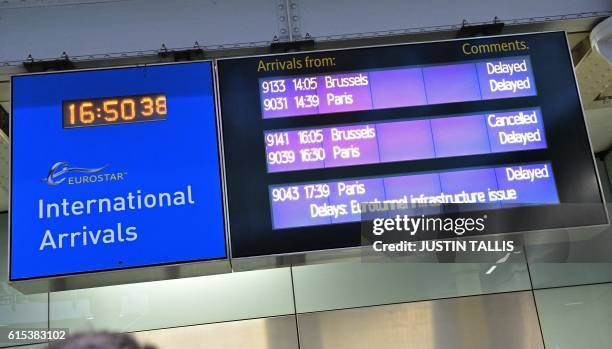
pixel 60 170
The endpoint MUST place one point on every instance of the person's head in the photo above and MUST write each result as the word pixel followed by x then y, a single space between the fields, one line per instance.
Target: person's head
pixel 98 340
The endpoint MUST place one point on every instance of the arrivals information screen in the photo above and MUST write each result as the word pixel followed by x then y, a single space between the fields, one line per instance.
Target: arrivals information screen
pixel 113 169
pixel 492 121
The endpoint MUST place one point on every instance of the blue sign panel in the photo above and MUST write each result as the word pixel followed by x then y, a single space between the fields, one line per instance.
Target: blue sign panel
pixel 114 168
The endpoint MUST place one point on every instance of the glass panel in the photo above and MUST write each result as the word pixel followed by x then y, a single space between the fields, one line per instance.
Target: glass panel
pixel 499 321
pixel 548 275
pixel 278 332
pixel 346 285
pixel 175 303
pixel 597 249
pixel 17 310
pixel 576 317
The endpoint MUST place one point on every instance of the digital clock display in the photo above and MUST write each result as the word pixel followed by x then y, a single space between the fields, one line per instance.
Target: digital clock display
pixel 114 110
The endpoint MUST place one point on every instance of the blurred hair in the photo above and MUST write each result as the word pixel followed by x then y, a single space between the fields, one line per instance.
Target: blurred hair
pixel 98 340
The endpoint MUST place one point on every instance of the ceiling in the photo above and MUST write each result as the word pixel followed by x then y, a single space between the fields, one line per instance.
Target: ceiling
pixel 594 76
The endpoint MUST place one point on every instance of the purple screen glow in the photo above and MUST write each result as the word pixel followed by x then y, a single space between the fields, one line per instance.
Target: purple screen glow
pixel 389 141
pixel 396 87
pixel 308 204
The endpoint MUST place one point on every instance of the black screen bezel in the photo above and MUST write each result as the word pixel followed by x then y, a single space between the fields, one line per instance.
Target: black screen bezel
pixel 247 178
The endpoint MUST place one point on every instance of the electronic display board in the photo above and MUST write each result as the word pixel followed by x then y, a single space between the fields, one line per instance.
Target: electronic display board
pixel 494 121
pixel 114 169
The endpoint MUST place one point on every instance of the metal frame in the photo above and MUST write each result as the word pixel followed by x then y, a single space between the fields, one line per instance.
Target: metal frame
pixel 221 151
pixel 117 276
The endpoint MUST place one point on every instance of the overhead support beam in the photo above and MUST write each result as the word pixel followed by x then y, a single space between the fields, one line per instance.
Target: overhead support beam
pixel 289 20
pixel 449 32
pixel 46 31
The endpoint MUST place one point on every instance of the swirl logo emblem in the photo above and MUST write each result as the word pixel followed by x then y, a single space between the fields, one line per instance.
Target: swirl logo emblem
pixel 59 170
